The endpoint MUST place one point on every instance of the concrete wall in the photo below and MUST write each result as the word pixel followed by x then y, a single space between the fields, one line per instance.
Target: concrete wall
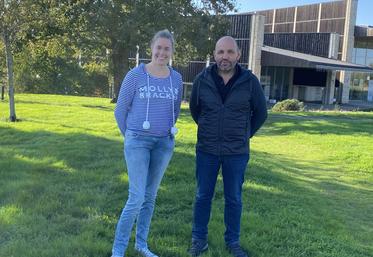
pixel 256 43
pixel 347 47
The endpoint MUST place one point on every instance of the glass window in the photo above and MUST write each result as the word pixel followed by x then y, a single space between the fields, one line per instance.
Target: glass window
pixel 278 83
pixel 285 83
pixel 361 52
pixel 370 53
pixel 353 55
pixel 360 60
pixel 361 83
pixel 360 44
pixel 369 61
pixel 271 74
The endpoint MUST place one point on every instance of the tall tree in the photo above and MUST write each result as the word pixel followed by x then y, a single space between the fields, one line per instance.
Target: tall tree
pixel 121 25
pixel 20 21
pixel 16 19
pixel 8 27
pixel 2 70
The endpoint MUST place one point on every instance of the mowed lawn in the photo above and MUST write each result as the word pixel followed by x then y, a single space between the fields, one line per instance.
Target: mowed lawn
pixel 308 189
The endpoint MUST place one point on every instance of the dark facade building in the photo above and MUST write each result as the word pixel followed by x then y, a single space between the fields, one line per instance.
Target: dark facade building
pixel 314 53
pixel 310 53
pixel 362 53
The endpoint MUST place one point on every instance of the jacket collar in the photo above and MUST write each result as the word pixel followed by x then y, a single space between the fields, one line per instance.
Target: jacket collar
pixel 244 74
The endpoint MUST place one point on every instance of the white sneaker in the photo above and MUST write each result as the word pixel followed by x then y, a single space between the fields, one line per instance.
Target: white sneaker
pixel 145 252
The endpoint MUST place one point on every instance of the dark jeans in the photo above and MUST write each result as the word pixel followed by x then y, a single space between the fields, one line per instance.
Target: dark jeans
pixel 207 169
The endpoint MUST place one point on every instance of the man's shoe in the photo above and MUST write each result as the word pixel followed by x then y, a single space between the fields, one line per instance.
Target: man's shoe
pixel 198 247
pixel 145 252
pixel 237 251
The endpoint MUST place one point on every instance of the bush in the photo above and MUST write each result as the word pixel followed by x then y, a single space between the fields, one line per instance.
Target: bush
pixel 288 105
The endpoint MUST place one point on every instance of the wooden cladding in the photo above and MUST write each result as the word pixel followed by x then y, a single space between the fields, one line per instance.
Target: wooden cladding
pixel 267 28
pixel 268 16
pixel 240 30
pixel 308 12
pixel 281 28
pixel 333 10
pixel 332 26
pixel 308 43
pixel 285 15
pixel 310 27
pixel 244 45
pixel 240 25
pixel 308 18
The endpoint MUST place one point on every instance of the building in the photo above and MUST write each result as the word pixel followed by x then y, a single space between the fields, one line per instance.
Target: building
pixel 314 53
pixel 309 50
pixel 362 83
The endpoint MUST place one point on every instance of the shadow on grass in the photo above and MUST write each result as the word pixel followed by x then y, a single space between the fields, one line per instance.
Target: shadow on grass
pixel 316 123
pixel 45 102
pixel 73 184
pixel 99 107
pixel 50 103
pixel 306 203
pixel 310 123
pixel 287 205
pixel 52 174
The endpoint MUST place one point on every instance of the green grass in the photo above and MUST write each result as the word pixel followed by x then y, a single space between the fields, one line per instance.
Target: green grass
pixel 308 189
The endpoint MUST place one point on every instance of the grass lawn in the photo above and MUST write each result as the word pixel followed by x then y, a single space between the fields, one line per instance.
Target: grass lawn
pixel 308 189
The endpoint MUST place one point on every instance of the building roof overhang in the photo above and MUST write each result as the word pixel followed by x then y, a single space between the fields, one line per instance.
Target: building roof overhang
pixel 272 56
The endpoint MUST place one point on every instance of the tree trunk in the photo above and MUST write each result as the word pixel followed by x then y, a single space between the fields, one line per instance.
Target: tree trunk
pixel 2 92
pixel 119 58
pixel 9 64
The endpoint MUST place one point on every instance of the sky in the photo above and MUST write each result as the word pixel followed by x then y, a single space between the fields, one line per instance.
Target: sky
pixel 364 13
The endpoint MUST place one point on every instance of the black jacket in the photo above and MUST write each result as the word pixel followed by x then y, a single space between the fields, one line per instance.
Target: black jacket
pixel 225 128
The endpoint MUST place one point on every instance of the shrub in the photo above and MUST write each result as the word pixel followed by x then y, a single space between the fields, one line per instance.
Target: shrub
pixel 288 105
pixel 367 110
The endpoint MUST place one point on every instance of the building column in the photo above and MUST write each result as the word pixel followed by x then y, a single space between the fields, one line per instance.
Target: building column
pixel 256 43
pixel 295 20
pixel 344 87
pixel 333 46
pixel 348 45
pixel 370 91
pixel 328 96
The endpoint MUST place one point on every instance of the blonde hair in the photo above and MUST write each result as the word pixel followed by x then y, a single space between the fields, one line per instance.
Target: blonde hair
pixel 164 34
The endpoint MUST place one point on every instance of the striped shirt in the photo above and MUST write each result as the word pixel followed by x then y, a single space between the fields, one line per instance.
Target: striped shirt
pixel 132 104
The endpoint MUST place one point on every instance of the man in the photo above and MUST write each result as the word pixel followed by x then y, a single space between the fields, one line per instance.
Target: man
pixel 229 106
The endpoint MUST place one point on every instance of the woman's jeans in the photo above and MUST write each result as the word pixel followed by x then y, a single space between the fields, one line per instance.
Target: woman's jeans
pixel 207 170
pixel 147 158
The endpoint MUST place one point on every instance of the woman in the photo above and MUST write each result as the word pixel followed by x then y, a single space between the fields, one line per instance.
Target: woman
pixel 146 112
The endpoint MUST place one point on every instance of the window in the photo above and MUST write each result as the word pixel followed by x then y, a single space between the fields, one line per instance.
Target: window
pixel 360 60
pixel 370 53
pixel 361 52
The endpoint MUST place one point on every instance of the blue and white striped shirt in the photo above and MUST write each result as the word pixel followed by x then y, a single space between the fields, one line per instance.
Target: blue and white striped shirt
pixel 131 108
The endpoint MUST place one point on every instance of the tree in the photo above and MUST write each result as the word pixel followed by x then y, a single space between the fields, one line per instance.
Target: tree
pixel 120 26
pixel 8 26
pixel 16 18
pixel 2 70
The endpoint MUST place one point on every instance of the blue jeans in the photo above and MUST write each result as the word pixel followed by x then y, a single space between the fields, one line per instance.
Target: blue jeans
pixel 147 158
pixel 233 171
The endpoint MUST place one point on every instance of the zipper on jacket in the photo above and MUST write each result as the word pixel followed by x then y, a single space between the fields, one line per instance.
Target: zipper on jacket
pixel 220 129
